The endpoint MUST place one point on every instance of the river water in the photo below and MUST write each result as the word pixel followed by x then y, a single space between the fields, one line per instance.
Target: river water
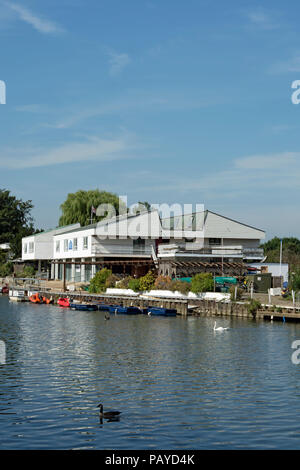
pixel 178 384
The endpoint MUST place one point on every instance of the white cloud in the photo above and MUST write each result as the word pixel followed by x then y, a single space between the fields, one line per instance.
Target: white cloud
pixel 117 63
pixel 262 19
pixel 40 24
pixel 92 149
pixel 290 65
pixel 268 162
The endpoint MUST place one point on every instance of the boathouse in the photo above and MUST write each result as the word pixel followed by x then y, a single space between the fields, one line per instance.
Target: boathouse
pixel 132 244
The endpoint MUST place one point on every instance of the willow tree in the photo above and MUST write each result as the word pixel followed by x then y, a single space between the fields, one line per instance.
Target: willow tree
pixel 84 206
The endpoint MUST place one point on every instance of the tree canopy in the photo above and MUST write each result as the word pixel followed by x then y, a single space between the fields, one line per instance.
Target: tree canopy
pixel 290 251
pixel 15 220
pixel 78 206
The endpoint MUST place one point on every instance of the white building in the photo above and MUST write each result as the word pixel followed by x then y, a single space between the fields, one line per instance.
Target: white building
pixel 39 247
pixel 133 244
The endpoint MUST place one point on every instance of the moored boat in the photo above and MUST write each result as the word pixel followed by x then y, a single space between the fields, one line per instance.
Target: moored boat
pixel 86 307
pixel 4 289
pixel 163 312
pixel 63 302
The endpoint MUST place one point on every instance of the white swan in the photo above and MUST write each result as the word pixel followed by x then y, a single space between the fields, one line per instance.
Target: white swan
pixel 220 328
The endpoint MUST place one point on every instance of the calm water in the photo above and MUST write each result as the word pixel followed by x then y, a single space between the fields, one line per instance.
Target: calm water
pixel 178 384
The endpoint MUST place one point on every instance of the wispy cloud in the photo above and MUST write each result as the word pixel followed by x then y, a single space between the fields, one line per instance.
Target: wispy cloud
pixel 117 62
pixel 262 19
pixel 90 149
pixel 251 176
pixel 42 25
pixel 291 65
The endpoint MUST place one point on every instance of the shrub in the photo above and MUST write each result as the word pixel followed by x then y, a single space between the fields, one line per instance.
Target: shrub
pixel 203 282
pixel 124 283
pixel 28 271
pixel 253 306
pixel 181 286
pixel 97 284
pixel 147 281
pixel 5 269
pixel 111 281
pixel 163 283
pixel 134 284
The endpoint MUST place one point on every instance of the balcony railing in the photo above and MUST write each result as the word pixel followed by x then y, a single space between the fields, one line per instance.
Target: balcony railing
pixel 120 250
pixel 216 251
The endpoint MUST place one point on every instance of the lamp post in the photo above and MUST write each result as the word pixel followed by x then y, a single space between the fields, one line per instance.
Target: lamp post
pixel 280 261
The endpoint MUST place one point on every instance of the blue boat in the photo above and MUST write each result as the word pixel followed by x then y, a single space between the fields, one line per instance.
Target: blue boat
pixel 86 307
pixel 124 310
pixel 104 307
pixel 163 312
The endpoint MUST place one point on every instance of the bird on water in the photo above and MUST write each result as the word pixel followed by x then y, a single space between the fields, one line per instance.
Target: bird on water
pixel 220 328
pixel 108 414
pixel 106 317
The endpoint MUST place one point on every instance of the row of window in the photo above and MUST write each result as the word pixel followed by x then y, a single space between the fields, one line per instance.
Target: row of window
pixel 28 247
pixel 72 245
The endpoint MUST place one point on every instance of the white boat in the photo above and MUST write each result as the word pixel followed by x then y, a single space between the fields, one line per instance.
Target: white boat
pixel 17 295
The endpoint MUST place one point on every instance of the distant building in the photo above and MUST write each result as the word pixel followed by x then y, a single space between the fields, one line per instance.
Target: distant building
pixel 133 244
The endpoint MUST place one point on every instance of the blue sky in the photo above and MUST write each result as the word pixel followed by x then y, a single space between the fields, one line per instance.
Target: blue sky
pixel 168 101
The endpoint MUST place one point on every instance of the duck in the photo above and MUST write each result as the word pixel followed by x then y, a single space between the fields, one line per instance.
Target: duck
pixel 108 414
pixel 106 317
pixel 220 328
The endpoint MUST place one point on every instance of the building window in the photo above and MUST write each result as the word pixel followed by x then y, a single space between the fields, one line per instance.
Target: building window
pixel 25 247
pixel 57 246
pixel 85 243
pixel 75 245
pixel 31 247
pixel 65 245
pixel 215 241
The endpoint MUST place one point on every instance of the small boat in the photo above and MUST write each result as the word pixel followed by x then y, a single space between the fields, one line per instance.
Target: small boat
pixel 4 289
pixel 63 302
pixel 163 312
pixel 133 311
pixel 124 310
pixel 17 295
pixel 36 299
pixel 104 307
pixel 89 307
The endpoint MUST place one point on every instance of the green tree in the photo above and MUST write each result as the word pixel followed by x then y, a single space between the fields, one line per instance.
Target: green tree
pixel 290 251
pixel 78 207
pixel 15 221
pixel 203 282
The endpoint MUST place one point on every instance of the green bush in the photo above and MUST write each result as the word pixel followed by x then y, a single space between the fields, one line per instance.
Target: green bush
pixel 98 282
pixel 134 284
pixel 6 269
pixel 181 286
pixel 202 282
pixel 28 271
pixel 147 281
pixel 253 306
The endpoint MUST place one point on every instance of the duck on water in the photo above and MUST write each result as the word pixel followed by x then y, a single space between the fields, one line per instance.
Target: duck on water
pixel 110 415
